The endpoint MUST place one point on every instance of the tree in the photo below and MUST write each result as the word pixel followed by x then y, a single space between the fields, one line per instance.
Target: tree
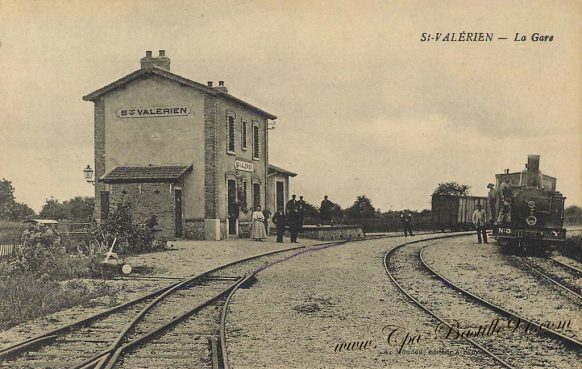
pixel 573 215
pixel 451 189
pixel 7 201
pixel 22 211
pixel 9 208
pixel 53 209
pixel 362 208
pixel 79 208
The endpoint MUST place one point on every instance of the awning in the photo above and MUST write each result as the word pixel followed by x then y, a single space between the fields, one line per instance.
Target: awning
pixel 151 173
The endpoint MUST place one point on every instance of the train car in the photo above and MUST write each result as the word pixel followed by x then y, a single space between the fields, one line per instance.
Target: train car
pixel 536 210
pixel 455 212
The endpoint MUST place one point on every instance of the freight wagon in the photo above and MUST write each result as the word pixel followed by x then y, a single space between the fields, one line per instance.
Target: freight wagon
pixel 455 212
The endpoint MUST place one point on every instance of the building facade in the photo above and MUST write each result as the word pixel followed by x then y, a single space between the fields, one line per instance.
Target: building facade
pixel 190 154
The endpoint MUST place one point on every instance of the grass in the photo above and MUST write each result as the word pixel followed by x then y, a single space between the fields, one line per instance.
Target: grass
pixel 25 297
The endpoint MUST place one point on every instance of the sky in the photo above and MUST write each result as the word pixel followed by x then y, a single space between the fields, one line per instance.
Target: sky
pixel 364 106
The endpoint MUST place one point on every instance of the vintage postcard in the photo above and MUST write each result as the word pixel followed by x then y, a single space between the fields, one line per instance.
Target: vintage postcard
pixel 290 184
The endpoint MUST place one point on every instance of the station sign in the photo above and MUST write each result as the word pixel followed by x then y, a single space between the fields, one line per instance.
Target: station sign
pixel 168 111
pixel 244 166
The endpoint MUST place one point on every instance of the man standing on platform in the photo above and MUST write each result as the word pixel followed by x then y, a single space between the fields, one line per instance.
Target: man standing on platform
pixel 279 220
pixel 325 210
pixel 293 218
pixel 301 212
pixel 480 220
pixel 406 220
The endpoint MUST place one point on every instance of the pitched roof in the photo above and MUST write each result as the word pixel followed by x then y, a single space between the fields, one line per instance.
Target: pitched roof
pixel 146 174
pixel 156 71
pixel 273 169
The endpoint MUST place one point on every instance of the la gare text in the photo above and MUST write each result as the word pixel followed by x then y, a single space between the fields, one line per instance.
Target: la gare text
pixel 482 37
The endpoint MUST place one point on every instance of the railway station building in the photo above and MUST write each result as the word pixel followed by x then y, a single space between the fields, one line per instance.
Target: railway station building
pixel 191 154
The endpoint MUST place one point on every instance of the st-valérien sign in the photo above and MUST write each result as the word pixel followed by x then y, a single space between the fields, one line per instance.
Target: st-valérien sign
pixel 170 111
pixel 244 166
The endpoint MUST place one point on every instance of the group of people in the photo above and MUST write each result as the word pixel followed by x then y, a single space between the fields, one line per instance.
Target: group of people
pixel 293 216
pixel 503 197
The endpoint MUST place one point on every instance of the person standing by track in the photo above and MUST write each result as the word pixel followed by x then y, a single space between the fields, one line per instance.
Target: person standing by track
pixel 258 230
pixel 480 222
pixel 492 202
pixel 279 220
pixel 300 213
pixel 325 211
pixel 406 219
pixel 293 218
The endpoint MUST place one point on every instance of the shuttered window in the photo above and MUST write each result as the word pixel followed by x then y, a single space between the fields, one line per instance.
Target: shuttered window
pixel 230 131
pixel 243 135
pixel 256 142
pixel 256 194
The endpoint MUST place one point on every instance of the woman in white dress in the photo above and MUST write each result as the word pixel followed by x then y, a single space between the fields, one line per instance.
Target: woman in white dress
pixel 258 233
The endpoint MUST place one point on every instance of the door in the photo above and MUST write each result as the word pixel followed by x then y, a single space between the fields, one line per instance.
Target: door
pixel 178 212
pixel 280 201
pixel 232 207
pixel 104 205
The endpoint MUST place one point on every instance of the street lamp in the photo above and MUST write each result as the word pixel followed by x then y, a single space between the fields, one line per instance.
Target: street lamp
pixel 88 173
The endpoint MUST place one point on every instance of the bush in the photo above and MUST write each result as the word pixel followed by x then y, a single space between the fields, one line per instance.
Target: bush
pixel 133 237
pixel 42 254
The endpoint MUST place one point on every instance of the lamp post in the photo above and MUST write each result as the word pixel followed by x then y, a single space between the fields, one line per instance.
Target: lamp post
pixel 88 173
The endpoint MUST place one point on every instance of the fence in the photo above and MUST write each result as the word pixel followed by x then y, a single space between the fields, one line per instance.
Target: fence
pixel 7 251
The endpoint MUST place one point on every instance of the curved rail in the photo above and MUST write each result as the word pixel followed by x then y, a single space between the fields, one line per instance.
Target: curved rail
pixel 430 312
pixel 50 336
pixel 549 278
pixel 160 330
pixel 569 267
pixel 554 334
pixel 223 352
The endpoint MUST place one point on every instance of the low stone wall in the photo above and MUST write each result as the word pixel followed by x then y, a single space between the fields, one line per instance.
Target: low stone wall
pixel 336 232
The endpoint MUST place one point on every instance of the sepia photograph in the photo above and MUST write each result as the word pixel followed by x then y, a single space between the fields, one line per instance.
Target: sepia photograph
pixel 212 184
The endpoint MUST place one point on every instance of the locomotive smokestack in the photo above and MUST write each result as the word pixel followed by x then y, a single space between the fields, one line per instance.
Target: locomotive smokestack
pixel 533 171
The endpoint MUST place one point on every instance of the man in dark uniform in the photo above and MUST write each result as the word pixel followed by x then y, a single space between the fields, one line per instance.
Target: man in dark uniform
pixel 293 218
pixel 492 202
pixel 505 199
pixel 406 219
pixel 279 220
pixel 325 210
pixel 300 213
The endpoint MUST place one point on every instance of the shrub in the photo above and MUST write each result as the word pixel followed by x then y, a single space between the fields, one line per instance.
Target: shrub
pixel 133 237
pixel 42 254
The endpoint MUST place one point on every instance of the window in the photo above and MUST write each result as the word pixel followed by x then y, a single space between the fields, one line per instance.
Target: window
pixel 256 143
pixel 243 134
pixel 256 194
pixel 244 192
pixel 230 133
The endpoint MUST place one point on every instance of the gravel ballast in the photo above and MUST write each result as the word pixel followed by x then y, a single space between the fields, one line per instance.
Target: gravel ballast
pixel 299 313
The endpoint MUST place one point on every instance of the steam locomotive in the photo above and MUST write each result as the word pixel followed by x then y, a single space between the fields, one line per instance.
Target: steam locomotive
pixel 533 211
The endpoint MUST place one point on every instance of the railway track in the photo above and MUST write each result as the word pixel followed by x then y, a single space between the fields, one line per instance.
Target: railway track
pixel 562 275
pixel 514 341
pixel 153 331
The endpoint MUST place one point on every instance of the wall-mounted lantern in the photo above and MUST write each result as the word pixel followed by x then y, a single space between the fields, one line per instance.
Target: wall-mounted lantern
pixel 88 173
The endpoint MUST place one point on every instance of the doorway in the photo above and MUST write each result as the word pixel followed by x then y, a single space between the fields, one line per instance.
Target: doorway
pixel 232 207
pixel 178 212
pixel 280 200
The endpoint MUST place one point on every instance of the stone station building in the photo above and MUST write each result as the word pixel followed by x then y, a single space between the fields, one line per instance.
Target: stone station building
pixel 190 154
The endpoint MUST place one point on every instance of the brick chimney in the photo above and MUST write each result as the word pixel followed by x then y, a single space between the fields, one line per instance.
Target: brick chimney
pixel 221 87
pixel 160 61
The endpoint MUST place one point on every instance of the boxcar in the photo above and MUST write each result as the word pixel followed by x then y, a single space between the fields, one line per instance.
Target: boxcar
pixel 455 212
